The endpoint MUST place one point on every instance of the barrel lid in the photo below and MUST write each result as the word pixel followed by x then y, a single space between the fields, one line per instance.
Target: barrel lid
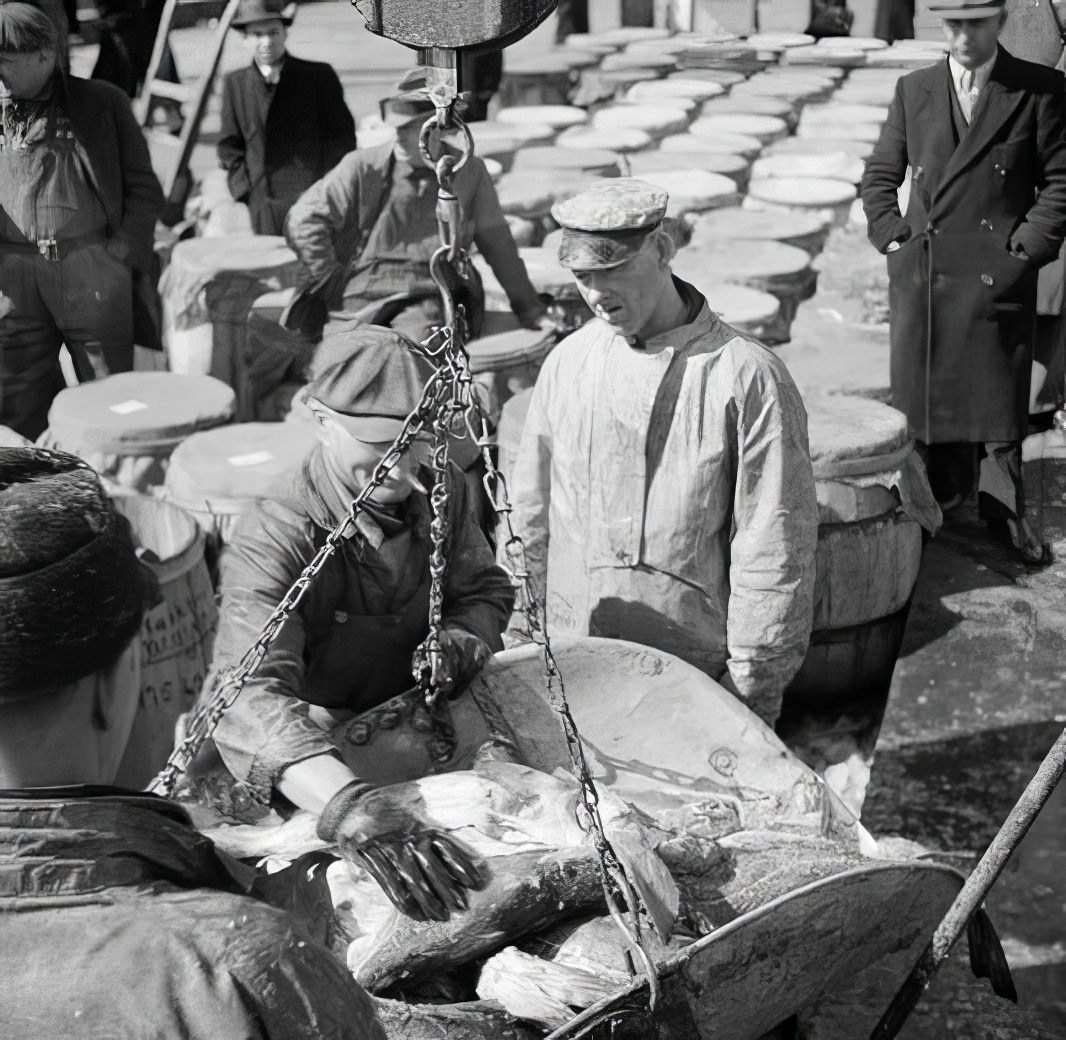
pixel 491 353
pixel 842 115
pixel 724 77
pixel 657 120
pixel 851 436
pixel 693 191
pixel 739 259
pixel 739 304
pixel 544 269
pixel 121 412
pixel 685 105
pixel 489 135
pixel 697 89
pixel 734 222
pixel 756 105
pixel 634 33
pixel 760 127
pixel 614 138
pixel 816 55
pixel 862 43
pixel 781 87
pixel 734 144
pixel 812 146
pixel 830 133
pixel 801 191
pixel 599 161
pixel 527 193
pixel 249 253
pixel 713 162
pixel 638 60
pixel 558 116
pixel 241 461
pixel 879 94
pixel 544 63
pixel 592 41
pixel 779 39
pixel 837 165
pixel 619 78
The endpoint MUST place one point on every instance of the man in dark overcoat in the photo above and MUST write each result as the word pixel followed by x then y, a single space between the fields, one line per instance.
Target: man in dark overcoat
pixel 285 123
pixel 984 136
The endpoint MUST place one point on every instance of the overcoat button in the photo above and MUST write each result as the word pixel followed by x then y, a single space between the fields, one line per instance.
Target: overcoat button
pixel 340 616
pixel 987 279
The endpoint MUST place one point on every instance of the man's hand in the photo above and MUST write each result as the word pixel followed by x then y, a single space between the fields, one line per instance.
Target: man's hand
pixel 424 872
pixel 463 655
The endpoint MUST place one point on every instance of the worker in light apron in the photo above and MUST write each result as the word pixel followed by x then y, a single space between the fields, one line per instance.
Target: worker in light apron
pixel 78 205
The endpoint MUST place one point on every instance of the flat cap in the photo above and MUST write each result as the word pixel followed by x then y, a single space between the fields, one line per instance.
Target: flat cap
pixel 370 375
pixel 606 225
pixel 967 9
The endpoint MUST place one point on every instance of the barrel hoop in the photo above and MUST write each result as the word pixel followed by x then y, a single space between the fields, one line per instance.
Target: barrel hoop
pixel 865 466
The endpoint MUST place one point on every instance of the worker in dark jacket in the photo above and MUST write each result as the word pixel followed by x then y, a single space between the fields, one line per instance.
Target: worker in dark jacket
pixel 78 206
pixel 284 120
pixel 117 918
pixel 348 646
pixel 984 137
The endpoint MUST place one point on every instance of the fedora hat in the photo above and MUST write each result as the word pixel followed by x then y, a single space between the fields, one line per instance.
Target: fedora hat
pixel 251 11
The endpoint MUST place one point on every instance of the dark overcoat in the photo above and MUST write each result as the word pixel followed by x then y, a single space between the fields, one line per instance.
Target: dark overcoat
pixel 961 298
pixel 276 142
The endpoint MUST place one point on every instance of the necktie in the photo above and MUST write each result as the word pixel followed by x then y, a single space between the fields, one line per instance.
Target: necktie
pixel 966 81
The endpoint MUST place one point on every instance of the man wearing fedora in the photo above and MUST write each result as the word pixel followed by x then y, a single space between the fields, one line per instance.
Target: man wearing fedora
pixel 284 120
pixel 984 137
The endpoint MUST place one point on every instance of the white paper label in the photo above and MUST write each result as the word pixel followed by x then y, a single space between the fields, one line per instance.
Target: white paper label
pixel 127 407
pixel 254 458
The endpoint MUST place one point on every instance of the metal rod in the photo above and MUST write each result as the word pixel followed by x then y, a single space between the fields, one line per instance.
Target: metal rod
pixel 976 888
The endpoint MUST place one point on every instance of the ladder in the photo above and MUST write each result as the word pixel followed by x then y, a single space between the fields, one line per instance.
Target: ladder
pixel 171 153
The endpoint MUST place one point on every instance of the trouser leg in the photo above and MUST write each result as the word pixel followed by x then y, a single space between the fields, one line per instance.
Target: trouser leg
pixel 951 469
pixel 90 295
pixel 1000 495
pixel 30 375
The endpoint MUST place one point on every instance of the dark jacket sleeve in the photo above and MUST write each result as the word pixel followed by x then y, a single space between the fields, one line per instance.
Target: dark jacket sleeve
pixel 1041 233
pixel 884 173
pixel 142 197
pixel 478 594
pixel 268 728
pixel 496 244
pixel 335 120
pixel 231 144
pixel 327 212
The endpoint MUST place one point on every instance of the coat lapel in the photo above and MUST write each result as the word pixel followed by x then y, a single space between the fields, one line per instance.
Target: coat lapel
pixel 997 105
pixel 934 114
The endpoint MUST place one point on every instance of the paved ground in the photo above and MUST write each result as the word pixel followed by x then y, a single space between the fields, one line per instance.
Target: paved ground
pixel 978 695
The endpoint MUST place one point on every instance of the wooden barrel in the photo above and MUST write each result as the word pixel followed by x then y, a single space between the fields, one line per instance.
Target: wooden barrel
pixel 835 165
pixel 736 104
pixel 128 425
pixel 830 133
pixel 763 128
pixel 694 191
pixel 216 475
pixel 723 77
pixel 177 635
pixel 783 271
pixel 806 231
pixel 598 162
pixel 660 64
pixel 735 167
pixel 862 43
pixel 507 363
pixel 544 80
pixel 559 117
pixel 732 144
pixel 814 146
pixel 821 57
pixel 613 139
pixel 797 89
pixel 735 56
pixel 834 114
pixel 805 194
pixel 658 120
pixel 869 552
pixel 658 89
pixel 207 291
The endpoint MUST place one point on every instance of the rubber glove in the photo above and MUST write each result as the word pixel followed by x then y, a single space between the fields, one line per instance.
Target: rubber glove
pixel 423 871
pixel 463 655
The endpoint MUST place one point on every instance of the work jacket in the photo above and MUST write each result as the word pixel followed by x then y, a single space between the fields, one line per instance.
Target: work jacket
pixel 668 498
pixel 329 225
pixel 962 305
pixel 118 919
pixel 276 141
pixel 348 645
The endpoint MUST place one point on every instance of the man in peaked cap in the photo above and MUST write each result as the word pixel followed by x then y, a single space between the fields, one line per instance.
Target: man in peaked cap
pixel 984 137
pixel 367 230
pixel 285 123
pixel 663 485
pixel 117 918
pixel 348 647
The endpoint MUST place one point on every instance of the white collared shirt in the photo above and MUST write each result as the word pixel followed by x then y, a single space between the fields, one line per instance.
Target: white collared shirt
pixel 271 73
pixel 968 98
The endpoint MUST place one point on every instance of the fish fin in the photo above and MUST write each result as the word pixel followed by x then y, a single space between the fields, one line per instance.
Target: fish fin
pixel 987 959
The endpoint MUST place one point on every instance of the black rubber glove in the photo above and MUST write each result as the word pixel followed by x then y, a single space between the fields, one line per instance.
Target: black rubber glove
pixel 463 655
pixel 424 873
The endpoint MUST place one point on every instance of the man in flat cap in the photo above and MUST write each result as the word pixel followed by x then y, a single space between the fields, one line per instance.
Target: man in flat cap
pixel 285 123
pixel 347 649
pixel 984 137
pixel 663 485
pixel 117 918
pixel 367 230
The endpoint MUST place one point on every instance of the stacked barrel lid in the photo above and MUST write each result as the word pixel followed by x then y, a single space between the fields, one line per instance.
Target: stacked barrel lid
pixel 760 142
